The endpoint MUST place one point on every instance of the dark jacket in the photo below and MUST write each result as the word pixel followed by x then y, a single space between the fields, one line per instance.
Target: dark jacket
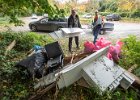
pixel 73 23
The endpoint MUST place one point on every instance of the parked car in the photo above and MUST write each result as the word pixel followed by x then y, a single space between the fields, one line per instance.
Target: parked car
pixel 45 15
pixel 34 16
pixel 46 24
pixel 113 17
pixel 106 27
pixel 87 16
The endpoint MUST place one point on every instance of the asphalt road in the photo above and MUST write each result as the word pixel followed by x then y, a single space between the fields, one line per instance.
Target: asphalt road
pixel 121 30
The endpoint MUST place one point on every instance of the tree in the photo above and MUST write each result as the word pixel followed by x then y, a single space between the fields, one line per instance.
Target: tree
pixel 16 8
pixel 108 5
pixel 92 5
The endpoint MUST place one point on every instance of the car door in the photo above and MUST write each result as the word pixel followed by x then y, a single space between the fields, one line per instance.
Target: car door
pixel 42 24
pixel 48 26
pixel 45 25
pixel 53 25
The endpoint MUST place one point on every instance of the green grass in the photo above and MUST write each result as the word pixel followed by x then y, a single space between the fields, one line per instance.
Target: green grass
pixel 16 89
pixel 132 20
pixel 4 21
pixel 86 21
pixel 124 19
pixel 13 85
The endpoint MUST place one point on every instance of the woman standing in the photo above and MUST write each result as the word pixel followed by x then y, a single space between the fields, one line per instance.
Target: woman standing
pixel 97 25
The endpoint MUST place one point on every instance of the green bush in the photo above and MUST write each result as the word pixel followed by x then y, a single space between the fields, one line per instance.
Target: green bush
pixel 105 13
pixel 136 14
pixel 137 72
pixel 24 41
pixel 124 14
pixel 130 52
pixel 15 86
pixel 14 83
pixel 81 93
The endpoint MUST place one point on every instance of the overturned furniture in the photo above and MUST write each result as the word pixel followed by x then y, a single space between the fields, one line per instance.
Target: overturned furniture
pixel 96 69
pixel 55 55
pixel 43 61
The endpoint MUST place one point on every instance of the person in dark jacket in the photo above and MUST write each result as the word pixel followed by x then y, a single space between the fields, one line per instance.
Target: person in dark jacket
pixel 73 21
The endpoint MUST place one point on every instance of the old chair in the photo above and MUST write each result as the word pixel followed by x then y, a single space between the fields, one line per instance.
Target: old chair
pixel 55 56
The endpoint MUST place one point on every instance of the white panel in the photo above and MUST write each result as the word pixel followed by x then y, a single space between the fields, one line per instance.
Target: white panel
pixel 71 32
pixel 102 73
pixel 105 74
pixel 73 73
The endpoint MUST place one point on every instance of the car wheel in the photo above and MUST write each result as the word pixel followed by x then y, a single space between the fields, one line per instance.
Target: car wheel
pixel 33 28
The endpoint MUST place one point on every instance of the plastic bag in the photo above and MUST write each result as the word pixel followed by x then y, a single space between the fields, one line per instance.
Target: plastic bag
pixel 114 52
pixel 102 42
pixel 89 46
pixel 37 47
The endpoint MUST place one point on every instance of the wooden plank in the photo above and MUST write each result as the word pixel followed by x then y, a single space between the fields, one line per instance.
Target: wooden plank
pixel 39 94
pixel 10 46
pixel 132 68
pixel 137 79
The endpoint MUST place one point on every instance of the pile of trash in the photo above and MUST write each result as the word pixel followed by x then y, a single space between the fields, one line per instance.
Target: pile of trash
pixel 114 52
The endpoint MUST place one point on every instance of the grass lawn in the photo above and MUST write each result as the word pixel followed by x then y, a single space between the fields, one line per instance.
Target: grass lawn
pixel 124 19
pixel 4 21
pixel 86 21
pixel 132 20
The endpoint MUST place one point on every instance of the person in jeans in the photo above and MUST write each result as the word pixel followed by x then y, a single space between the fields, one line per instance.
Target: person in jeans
pixel 98 21
pixel 73 21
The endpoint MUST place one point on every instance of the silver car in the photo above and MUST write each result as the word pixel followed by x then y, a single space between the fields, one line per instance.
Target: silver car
pixel 46 24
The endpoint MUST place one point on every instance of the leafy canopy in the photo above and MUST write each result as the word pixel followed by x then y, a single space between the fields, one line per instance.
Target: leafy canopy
pixel 17 8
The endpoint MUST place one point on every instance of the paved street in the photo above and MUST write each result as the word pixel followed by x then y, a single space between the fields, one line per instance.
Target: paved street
pixel 121 30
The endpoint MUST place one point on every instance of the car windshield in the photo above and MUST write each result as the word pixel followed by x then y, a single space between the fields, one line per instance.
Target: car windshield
pixel 54 20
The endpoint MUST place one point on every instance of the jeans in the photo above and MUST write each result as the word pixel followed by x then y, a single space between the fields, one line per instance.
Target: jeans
pixel 96 31
pixel 76 42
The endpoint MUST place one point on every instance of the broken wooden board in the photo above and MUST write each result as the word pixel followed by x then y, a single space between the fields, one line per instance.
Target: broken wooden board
pixel 10 46
pixel 71 73
pixel 137 79
pixel 78 59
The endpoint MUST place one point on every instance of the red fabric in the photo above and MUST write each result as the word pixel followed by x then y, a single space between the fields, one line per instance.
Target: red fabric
pixel 95 18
